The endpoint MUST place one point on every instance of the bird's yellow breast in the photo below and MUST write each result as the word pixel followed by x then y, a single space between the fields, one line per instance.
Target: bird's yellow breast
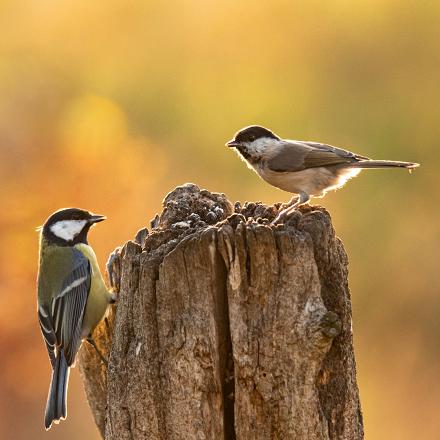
pixel 99 297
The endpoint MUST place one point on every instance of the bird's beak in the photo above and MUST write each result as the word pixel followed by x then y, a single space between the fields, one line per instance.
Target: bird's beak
pixel 97 218
pixel 232 143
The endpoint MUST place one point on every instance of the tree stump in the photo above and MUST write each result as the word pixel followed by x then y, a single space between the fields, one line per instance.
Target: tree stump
pixel 227 328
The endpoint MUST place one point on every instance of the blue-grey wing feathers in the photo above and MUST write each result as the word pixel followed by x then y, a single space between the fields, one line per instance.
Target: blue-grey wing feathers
pixel 61 325
pixel 69 305
pixel 48 332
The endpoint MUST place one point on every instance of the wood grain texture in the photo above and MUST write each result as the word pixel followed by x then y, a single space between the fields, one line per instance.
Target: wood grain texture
pixel 228 328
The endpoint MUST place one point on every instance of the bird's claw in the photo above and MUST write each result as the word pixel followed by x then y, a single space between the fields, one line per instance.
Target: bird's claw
pixel 279 218
pixel 113 267
pixel 331 325
pixel 291 206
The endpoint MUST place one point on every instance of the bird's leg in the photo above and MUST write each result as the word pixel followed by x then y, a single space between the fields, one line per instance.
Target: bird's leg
pixel 92 342
pixel 303 198
pixel 293 201
pixel 281 215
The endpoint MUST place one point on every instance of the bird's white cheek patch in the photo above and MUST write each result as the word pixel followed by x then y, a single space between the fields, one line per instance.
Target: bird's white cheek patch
pixel 68 229
pixel 260 146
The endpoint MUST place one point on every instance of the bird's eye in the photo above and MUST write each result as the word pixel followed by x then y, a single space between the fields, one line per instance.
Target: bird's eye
pixel 252 138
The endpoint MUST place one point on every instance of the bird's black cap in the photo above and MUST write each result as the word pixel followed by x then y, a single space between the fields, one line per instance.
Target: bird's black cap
pixel 250 134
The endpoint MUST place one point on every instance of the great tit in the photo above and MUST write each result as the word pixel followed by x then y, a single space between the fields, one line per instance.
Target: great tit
pixel 72 297
pixel 307 169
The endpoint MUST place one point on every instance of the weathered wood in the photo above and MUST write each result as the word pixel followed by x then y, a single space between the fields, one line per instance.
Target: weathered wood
pixel 227 327
pixel 94 372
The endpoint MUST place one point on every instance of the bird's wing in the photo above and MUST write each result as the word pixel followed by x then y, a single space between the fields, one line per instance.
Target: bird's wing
pixel 61 321
pixel 297 156
pixel 338 151
pixel 45 319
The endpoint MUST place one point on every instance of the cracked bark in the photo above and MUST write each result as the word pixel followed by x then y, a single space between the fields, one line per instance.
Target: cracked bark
pixel 227 327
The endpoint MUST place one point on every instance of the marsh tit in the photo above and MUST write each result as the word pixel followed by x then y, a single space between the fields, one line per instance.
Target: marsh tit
pixel 72 297
pixel 307 169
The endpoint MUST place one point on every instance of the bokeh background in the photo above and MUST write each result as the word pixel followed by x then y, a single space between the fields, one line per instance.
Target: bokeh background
pixel 109 105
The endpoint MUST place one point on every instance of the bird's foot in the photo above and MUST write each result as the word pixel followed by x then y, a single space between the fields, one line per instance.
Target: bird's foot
pixel 293 204
pixel 284 210
pixel 113 267
pixel 331 325
pixel 279 219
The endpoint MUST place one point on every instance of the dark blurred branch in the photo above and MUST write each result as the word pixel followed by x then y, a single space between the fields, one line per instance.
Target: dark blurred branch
pixel 228 328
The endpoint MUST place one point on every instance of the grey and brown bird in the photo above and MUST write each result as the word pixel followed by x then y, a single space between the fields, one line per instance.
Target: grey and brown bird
pixel 306 169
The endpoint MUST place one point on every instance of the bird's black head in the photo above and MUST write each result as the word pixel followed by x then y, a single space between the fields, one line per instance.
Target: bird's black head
pixel 251 134
pixel 69 226
pixel 246 141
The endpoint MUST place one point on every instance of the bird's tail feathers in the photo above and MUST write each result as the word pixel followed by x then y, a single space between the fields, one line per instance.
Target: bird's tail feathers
pixel 56 407
pixel 383 164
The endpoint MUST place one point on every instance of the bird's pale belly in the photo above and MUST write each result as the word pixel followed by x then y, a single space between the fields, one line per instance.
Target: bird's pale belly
pixel 312 181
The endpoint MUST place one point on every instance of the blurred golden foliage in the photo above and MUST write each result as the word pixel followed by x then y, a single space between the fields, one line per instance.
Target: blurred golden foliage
pixel 108 106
